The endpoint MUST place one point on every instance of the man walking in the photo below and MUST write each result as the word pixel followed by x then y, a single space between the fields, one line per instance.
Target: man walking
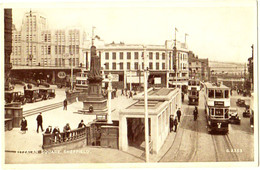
pixel 175 123
pixel 171 123
pixel 179 114
pixel 65 103
pixel 39 122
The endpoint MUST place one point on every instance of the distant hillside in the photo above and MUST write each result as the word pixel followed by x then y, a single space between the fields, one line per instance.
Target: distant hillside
pixel 219 66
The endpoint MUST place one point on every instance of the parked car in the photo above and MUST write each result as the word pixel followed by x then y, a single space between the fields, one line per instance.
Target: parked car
pixel 47 93
pixel 14 96
pixel 241 103
pixel 44 83
pixel 17 81
pixel 32 95
pixel 246 113
pixel 233 116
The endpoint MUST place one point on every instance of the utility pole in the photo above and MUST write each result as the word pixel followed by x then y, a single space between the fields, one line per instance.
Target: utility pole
pixel 175 55
pixel 146 108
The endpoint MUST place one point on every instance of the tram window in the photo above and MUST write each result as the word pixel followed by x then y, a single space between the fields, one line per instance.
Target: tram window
pixel 198 83
pixel 212 111
pixel 219 112
pixel 219 93
pixel 78 81
pixel 193 93
pixel 83 82
pixel 194 83
pixel 211 93
pixel 226 93
pixel 189 83
pixel 226 113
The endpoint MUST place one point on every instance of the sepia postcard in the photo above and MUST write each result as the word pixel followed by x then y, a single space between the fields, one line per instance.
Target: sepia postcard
pixel 130 84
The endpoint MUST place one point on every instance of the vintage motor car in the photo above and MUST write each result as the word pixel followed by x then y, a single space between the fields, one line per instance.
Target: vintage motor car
pixel 233 116
pixel 241 103
pixel 32 95
pixel 44 83
pixel 14 96
pixel 246 113
pixel 47 93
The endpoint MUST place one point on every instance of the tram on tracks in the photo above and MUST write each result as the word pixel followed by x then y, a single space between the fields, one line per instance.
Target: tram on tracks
pixel 217 105
pixel 193 91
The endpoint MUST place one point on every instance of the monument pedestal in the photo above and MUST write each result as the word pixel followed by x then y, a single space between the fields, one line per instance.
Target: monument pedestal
pixel 95 99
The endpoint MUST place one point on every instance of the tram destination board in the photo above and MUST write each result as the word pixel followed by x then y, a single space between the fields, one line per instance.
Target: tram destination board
pixel 218 103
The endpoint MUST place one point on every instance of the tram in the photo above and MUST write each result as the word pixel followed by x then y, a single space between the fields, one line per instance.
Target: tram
pixel 81 81
pixel 217 104
pixel 193 91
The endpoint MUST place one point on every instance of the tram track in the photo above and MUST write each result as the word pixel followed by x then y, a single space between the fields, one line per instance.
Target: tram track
pixel 174 141
pixel 42 109
pixel 224 149
pixel 194 155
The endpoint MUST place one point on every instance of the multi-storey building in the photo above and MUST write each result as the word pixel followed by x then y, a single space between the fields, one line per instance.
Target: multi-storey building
pixel 126 62
pixel 43 50
pixel 198 68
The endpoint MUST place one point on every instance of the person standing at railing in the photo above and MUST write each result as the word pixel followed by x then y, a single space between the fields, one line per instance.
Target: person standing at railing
pixel 48 130
pixel 67 130
pixel 56 133
pixel 81 124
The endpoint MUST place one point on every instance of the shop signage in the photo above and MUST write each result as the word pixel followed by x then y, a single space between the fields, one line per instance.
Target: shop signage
pixel 61 74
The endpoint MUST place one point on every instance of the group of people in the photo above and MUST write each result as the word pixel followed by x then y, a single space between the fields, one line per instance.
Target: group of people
pixel 130 94
pixel 174 121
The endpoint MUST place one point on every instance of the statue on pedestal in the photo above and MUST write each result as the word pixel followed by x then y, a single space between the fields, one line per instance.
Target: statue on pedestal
pixel 95 67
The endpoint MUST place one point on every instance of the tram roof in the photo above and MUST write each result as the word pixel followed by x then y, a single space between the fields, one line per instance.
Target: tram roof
pixel 215 86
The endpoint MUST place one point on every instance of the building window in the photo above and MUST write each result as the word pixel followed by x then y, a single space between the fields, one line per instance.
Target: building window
pixel 59 49
pixel 136 65
pixel 121 55
pixel 163 65
pixel 151 65
pixel 150 55
pixel 114 56
pixel 128 55
pixel 142 65
pixel 56 61
pixel 163 56
pixel 128 66
pixel 121 65
pixel 107 66
pixel 157 56
pixel 107 56
pixel 56 49
pixel 157 66
pixel 114 66
pixel 136 55
pixel 49 50
pixel 77 49
pixel 63 49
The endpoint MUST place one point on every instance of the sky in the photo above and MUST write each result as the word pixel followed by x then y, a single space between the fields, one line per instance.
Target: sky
pixel 218 30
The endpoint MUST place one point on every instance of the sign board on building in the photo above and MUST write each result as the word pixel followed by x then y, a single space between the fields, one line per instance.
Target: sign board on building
pixel 157 80
pixel 115 78
pixel 61 74
pixel 135 79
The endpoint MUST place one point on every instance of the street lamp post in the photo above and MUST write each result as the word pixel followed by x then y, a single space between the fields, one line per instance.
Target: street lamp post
pixel 71 71
pixel 146 108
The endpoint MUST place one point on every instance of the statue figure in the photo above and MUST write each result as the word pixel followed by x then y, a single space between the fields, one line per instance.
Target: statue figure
pixel 95 67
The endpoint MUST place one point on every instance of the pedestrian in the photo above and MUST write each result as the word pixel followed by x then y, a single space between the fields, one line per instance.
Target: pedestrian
pixel 24 87
pixel 179 114
pixel 48 130
pixel 24 125
pixel 122 93
pixel 65 103
pixel 39 122
pixel 56 133
pixel 116 92
pixel 66 130
pixel 130 94
pixel 195 113
pixel 81 124
pixel 175 123
pixel 171 123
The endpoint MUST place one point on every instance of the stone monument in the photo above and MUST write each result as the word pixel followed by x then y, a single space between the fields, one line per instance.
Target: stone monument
pixel 95 103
